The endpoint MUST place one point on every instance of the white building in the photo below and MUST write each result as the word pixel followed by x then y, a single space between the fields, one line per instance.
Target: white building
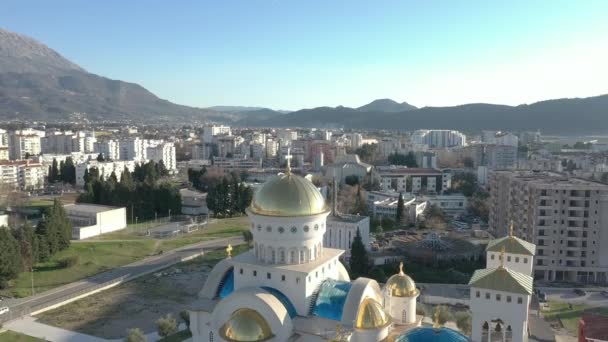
pixel 211 131
pixel 290 287
pixel 90 220
pixel 133 148
pixel 342 229
pixel 3 220
pixel 3 138
pixel 501 293
pixel 452 204
pixel 109 149
pixel 414 180
pixel 164 151
pixel 439 138
pixel 22 174
pixel 4 153
pixel 105 169
pixel 24 143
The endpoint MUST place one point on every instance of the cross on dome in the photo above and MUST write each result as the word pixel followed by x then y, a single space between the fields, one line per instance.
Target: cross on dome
pixel 511 229
pixel 229 251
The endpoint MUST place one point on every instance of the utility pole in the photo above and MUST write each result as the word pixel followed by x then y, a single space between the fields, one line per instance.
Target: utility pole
pixel 32 269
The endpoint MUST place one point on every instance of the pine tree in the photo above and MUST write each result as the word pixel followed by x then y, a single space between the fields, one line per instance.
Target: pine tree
pixel 400 209
pixel 28 245
pixel 54 172
pixel 100 158
pixel 359 261
pixel 10 257
pixel 69 172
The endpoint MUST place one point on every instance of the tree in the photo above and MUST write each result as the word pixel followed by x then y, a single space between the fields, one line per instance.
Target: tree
pixel 465 182
pixel 10 257
pixel 185 316
pixel 68 171
pixel 247 236
pixel 135 335
pixel 367 152
pixel 434 218
pixel 100 158
pixel 54 172
pixel 359 261
pixel 444 314
pixel 463 321
pixel 28 245
pixel 360 207
pixel 166 325
pixel 377 273
pixel 400 210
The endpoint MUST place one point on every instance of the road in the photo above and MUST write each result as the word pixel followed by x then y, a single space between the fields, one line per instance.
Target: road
pixel 23 307
pixel 593 297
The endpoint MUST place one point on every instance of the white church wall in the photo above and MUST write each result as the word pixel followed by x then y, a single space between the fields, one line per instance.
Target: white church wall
pixel 485 307
pixel 361 288
pixel 517 262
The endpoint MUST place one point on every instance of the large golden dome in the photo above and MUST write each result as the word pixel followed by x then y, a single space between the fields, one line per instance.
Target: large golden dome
pixel 371 315
pixel 246 325
pixel 288 195
pixel 401 285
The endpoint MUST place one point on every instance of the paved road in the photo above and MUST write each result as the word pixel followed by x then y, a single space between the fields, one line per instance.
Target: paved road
pixel 22 307
pixel 593 297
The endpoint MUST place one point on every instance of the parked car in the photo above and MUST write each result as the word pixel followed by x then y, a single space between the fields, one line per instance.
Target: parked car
pixel 604 293
pixel 4 310
pixel 579 292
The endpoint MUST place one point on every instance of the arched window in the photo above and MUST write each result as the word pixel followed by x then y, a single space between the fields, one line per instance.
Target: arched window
pixel 274 256
pixel 330 242
pixel 301 256
pixel 282 256
pixel 292 257
pixel 403 316
pixel 315 252
pixel 349 239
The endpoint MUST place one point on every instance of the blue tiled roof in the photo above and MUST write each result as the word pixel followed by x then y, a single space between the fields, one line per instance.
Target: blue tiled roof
pixel 331 298
pixel 429 334
pixel 227 285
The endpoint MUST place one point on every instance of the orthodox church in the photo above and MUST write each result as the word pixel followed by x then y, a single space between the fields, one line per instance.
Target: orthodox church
pixel 290 287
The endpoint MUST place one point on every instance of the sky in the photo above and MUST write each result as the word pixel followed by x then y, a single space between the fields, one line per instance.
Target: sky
pixel 292 54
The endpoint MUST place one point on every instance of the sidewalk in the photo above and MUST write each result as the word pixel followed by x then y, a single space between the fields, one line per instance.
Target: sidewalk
pixel 29 326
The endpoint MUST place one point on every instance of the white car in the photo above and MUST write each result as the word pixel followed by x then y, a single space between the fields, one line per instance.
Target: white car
pixel 4 310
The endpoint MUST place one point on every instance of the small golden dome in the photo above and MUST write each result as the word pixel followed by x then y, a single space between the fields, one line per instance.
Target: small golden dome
pixel 401 285
pixel 288 195
pixel 371 315
pixel 246 325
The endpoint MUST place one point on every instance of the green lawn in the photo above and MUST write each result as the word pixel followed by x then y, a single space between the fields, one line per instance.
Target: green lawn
pixel 113 250
pixel 569 317
pixel 10 336
pixel 93 258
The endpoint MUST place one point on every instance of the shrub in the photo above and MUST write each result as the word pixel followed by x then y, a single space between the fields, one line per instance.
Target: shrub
pixel 135 335
pixel 69 261
pixel 166 325
pixel 463 321
pixel 185 316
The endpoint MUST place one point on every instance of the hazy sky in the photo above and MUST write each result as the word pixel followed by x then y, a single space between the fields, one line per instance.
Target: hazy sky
pixel 290 54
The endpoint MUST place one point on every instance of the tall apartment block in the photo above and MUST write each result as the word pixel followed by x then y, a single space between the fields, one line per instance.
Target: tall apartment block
pixel 567 218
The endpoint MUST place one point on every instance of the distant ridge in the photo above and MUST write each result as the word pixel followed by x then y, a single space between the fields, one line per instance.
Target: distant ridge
pixel 386 106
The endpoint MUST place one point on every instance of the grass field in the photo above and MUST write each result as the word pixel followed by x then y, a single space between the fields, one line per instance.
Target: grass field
pixel 10 336
pixel 569 316
pixel 113 250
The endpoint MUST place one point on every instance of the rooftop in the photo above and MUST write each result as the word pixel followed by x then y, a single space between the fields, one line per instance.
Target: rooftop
pixel 346 218
pixel 502 279
pixel 513 245
pixel 90 208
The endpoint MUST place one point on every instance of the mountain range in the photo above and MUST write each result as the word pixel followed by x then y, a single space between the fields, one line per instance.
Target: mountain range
pixel 37 83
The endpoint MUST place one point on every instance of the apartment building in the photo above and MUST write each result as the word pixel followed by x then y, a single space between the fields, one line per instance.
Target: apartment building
pixel 164 151
pixel 439 138
pixel 105 169
pixel 24 143
pixel 567 218
pixel 109 149
pixel 414 180
pixel 22 174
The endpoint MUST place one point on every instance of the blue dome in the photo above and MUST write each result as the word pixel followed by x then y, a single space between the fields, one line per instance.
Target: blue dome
pixel 429 334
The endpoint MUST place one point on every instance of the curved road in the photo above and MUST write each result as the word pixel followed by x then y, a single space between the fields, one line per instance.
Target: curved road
pixel 23 307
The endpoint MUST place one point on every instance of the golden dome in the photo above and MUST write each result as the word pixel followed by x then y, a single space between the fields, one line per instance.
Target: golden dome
pixel 371 315
pixel 401 285
pixel 288 195
pixel 246 325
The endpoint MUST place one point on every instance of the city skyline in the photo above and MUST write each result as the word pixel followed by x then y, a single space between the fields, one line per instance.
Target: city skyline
pixel 301 55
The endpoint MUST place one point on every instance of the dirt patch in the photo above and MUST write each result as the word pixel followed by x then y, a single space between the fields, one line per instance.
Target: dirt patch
pixel 137 304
